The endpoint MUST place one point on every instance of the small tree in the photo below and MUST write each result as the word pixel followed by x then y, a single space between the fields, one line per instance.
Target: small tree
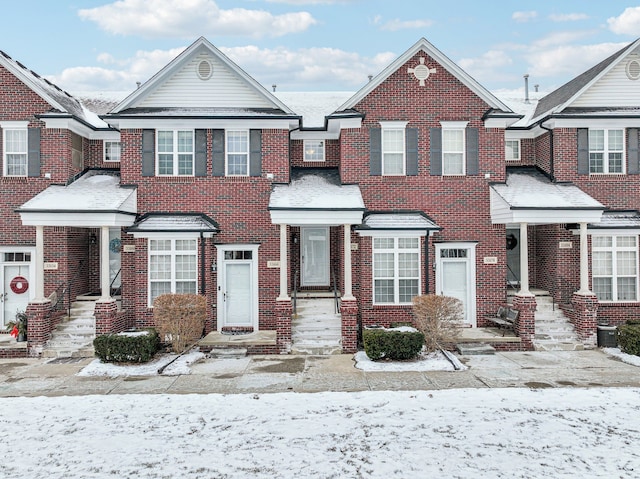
pixel 179 318
pixel 437 317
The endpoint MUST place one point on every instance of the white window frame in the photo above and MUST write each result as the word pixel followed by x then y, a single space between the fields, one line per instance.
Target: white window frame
pixel 614 249
pixel 396 251
pixel 448 127
pixel 314 150
pixel 227 151
pixel 14 126
pixel 172 253
pixel 387 127
pixel 606 152
pixel 175 152
pixel 518 150
pixel 107 151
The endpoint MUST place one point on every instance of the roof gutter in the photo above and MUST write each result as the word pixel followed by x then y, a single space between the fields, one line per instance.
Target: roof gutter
pixel 551 160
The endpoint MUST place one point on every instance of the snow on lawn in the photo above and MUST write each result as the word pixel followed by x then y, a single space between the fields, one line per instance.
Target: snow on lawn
pixel 625 358
pixel 461 433
pixel 177 367
pixel 425 362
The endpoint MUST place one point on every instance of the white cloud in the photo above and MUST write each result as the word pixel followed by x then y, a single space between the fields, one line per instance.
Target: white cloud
pixel 312 2
pixel 524 16
pixel 560 38
pixel 488 66
pixel 568 17
pixel 180 18
pixel 568 59
pixel 396 24
pixel 627 23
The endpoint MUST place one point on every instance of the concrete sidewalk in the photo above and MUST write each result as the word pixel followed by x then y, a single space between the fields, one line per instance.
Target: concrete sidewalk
pixel 266 374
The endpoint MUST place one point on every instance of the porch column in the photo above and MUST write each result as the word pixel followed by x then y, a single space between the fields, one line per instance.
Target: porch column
pixel 584 260
pixel 105 285
pixel 524 260
pixel 348 292
pixel 283 264
pixel 39 264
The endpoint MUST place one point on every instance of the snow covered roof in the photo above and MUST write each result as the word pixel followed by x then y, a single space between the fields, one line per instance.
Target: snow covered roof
pixel 175 223
pixel 398 221
pixel 618 220
pixel 314 106
pixel 95 191
pixel 201 113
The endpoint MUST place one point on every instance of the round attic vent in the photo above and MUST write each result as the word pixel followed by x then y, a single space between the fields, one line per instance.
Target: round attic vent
pixel 205 70
pixel 633 69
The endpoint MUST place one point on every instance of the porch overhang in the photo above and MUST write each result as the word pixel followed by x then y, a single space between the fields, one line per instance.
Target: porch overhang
pixel 406 223
pixel 152 225
pixel 528 196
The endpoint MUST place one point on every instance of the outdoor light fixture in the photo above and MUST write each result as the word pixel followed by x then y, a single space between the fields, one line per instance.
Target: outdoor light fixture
pixel 93 239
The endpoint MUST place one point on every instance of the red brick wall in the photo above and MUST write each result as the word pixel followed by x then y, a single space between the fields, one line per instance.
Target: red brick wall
pixel 331 155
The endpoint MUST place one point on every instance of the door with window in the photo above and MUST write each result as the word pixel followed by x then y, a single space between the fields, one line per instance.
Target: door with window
pixel 237 287
pixel 456 276
pixel 16 282
pixel 315 256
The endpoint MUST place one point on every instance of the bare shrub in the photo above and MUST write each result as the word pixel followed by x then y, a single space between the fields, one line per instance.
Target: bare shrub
pixel 179 319
pixel 438 318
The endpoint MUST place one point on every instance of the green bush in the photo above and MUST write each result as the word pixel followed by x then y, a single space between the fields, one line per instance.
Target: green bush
pixel 135 347
pixel 390 344
pixel 629 338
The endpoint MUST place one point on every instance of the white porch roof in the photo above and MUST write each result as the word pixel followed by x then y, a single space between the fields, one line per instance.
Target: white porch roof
pixel 528 196
pixel 95 199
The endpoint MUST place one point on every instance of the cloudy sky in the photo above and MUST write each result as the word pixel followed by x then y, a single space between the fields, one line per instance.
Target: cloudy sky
pixel 307 45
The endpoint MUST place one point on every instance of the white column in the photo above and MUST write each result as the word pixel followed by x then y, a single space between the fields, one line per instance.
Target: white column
pixel 584 260
pixel 348 292
pixel 39 263
pixel 283 264
pixel 105 285
pixel 524 260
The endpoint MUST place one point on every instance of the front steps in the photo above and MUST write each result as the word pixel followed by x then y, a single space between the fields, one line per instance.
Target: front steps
pixel 316 329
pixel 554 332
pixel 74 335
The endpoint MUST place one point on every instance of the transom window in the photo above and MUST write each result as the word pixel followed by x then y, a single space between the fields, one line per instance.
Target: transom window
pixel 615 267
pixel 175 152
pixel 453 151
pixel 111 151
pixel 14 142
pixel 396 270
pixel 512 150
pixel 172 267
pixel 17 257
pixel 393 151
pixel 313 150
pixel 238 255
pixel 237 152
pixel 453 252
pixel 606 151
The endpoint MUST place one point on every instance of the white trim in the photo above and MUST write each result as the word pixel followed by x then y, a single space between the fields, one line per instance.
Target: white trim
pixel 169 235
pixel 471 275
pixel 301 217
pixel 396 250
pixel 315 147
pixel 255 287
pixel 454 125
pixel 451 126
pixel 203 123
pixel 86 219
pixel 607 123
pixel 519 143
pixel 14 124
pixel 175 153
pixel 388 127
pixel 394 125
pixel 614 249
pixel 32 270
pixel 606 151
pixel 19 126
pixel 393 233
pixel 172 253
pixel 327 252
pixel 104 151
pixel 247 153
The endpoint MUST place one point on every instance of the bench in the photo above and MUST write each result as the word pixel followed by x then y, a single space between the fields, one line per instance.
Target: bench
pixel 504 318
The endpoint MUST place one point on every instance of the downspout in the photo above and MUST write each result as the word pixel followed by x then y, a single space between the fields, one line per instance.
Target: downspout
pixel 426 262
pixel 551 161
pixel 202 267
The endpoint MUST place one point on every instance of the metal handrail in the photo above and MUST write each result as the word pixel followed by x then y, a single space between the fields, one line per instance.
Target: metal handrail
pixel 65 289
pixel 114 280
pixel 335 292
pixel 294 293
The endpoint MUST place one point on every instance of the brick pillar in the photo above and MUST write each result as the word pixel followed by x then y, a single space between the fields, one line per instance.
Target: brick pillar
pixel 284 311
pixel 525 325
pixel 38 325
pixel 349 312
pixel 585 307
pixel 106 317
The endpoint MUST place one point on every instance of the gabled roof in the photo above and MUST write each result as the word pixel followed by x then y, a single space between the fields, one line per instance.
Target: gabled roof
pixel 200 45
pixel 60 101
pixel 443 60
pixel 558 100
pixel 174 223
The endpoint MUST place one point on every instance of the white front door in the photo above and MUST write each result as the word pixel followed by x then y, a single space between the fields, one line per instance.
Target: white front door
pixel 16 284
pixel 455 276
pixel 237 286
pixel 314 256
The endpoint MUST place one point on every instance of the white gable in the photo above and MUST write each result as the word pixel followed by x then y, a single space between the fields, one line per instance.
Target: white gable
pixel 225 88
pixel 614 88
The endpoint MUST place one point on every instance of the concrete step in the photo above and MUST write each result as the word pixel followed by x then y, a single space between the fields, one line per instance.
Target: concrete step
pixel 227 353
pixel 475 349
pixel 316 349
pixel 554 345
pixel 62 352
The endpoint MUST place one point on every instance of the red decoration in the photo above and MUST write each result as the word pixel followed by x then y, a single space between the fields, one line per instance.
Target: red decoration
pixel 14 332
pixel 19 284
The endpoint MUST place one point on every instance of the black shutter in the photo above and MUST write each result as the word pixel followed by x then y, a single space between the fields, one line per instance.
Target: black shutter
pixel 33 153
pixel 375 151
pixel 412 151
pixel 218 152
pixel 632 151
pixel 472 151
pixel 200 167
pixel 583 151
pixel 255 152
pixel 148 152
pixel 435 151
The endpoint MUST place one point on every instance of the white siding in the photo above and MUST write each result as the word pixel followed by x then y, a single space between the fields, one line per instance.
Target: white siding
pixel 614 89
pixel 225 89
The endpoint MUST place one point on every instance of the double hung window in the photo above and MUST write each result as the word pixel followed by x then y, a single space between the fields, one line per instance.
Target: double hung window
pixel 172 267
pixel 175 152
pixel 396 270
pixel 14 151
pixel 606 151
pixel 615 267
